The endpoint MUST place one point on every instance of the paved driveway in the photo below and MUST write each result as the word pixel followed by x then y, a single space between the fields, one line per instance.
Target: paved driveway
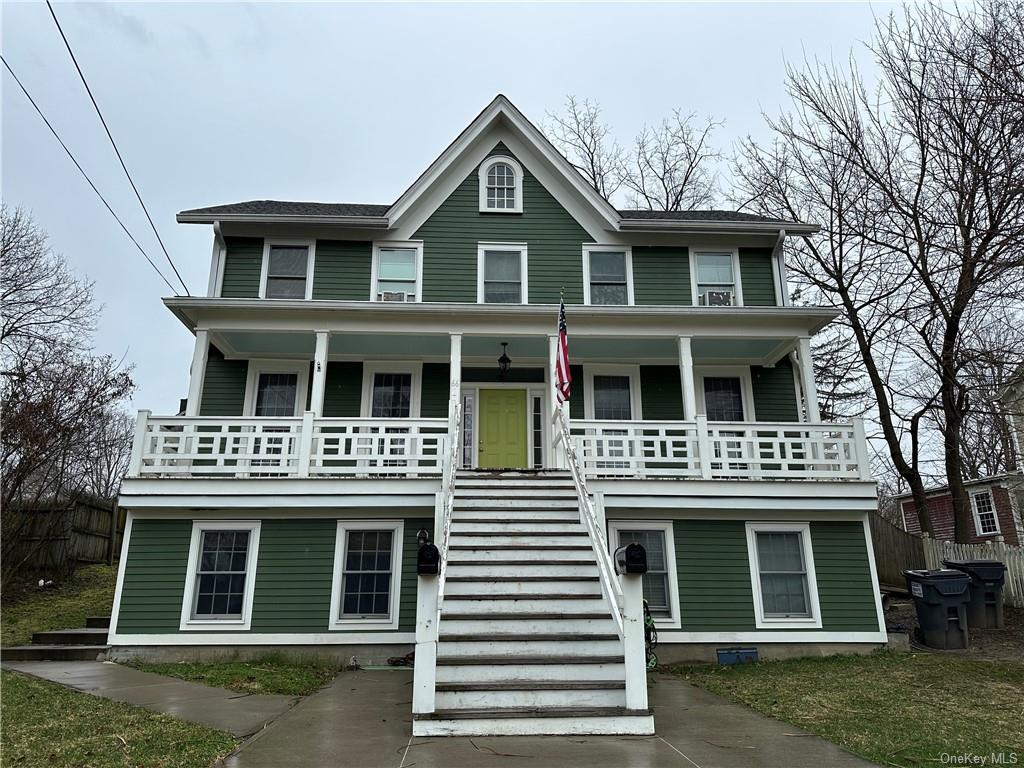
pixel 363 720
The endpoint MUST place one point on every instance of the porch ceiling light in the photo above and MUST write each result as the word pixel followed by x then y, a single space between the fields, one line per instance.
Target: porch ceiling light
pixel 504 362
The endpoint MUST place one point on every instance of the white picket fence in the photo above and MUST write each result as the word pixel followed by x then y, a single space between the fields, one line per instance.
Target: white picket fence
pixel 1013 592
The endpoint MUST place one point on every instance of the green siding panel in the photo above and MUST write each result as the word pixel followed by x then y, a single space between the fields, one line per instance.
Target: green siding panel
pixel 243 264
pixel 407 596
pixel 661 393
pixel 293 575
pixel 775 392
pixel 554 243
pixel 342 270
pixel 845 588
pixel 434 391
pixel 223 385
pixel 343 389
pixel 661 275
pixel 154 576
pixel 756 275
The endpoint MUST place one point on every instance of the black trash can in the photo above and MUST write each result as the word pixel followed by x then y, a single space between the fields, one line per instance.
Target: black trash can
pixel 940 598
pixel 985 609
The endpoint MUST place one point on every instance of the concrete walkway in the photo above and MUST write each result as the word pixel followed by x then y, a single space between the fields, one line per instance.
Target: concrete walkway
pixel 237 713
pixel 363 719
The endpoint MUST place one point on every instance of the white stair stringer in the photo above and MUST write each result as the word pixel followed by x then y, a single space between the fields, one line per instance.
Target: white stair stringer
pixel 527 643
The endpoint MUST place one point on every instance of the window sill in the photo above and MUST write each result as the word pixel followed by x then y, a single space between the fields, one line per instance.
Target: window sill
pixel 214 624
pixel 808 623
pixel 363 624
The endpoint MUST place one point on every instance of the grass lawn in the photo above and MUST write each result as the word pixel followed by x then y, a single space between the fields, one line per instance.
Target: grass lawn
pixel 90 592
pixel 268 674
pixel 50 726
pixel 899 709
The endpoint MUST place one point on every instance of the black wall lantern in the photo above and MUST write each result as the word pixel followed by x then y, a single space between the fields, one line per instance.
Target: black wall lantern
pixel 504 362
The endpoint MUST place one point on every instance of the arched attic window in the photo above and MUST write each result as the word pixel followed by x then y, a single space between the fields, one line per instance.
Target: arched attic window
pixel 501 185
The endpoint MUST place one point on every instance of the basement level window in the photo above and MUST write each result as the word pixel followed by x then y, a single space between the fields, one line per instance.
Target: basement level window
pixel 221 570
pixel 367 574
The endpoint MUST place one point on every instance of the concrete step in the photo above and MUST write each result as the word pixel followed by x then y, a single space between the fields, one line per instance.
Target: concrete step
pixel 530 604
pixel 469 585
pixel 98 622
pixel 518 670
pixel 565 696
pixel 83 636
pixel 526 624
pixel 458 568
pixel 482 645
pixel 54 652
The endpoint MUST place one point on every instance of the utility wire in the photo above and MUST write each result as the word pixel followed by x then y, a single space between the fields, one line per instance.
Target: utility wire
pixel 114 145
pixel 85 175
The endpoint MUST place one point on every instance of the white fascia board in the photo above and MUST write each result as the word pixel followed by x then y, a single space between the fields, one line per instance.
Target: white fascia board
pixel 361 222
pixel 701 226
pixel 787 489
pixel 737 507
pixel 338 637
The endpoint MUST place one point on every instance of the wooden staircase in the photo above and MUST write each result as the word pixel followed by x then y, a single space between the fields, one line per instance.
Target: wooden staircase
pixel 526 639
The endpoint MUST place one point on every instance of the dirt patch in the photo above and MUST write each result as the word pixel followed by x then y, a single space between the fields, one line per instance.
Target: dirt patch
pixel 1006 644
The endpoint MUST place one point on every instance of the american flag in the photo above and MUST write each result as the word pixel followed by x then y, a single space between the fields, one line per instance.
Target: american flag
pixel 563 376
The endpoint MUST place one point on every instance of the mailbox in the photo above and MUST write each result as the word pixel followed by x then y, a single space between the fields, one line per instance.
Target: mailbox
pixel 428 560
pixel 631 558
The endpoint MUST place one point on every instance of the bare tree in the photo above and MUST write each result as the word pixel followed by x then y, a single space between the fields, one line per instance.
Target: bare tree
pixel 587 143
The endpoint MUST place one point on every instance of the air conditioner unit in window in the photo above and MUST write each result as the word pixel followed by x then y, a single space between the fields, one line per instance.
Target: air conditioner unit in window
pixel 397 296
pixel 717 299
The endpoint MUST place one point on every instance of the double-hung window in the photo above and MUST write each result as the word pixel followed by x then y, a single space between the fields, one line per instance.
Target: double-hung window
pixel 782 574
pixel 660 583
pixel 367 574
pixel 286 271
pixel 608 273
pixel 396 275
pixel 986 521
pixel 723 398
pixel 716 284
pixel 502 271
pixel 612 399
pixel 276 393
pixel 221 569
pixel 392 395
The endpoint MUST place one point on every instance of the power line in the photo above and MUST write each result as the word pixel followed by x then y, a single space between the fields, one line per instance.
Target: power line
pixel 114 145
pixel 85 175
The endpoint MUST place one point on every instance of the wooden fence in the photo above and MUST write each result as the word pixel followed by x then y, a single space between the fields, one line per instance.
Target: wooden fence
pixel 895 551
pixel 59 536
pixel 1013 557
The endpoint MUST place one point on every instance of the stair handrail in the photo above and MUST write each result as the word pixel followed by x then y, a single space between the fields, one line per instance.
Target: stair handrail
pixel 451 465
pixel 606 568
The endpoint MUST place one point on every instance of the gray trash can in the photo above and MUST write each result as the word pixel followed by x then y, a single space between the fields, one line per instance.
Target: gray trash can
pixel 940 598
pixel 985 609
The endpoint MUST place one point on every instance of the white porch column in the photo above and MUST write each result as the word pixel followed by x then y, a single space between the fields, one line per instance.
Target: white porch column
pixel 633 646
pixel 316 397
pixel 686 376
pixel 454 374
pixel 197 373
pixel 807 383
pixel 425 669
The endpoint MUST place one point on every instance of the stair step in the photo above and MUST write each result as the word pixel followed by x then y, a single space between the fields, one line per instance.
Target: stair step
pixel 496 513
pixel 517 670
pixel 478 563
pixel 533 685
pixel 98 622
pixel 529 596
pixel 519 493
pixel 526 625
pixel 531 712
pixel 521 587
pixel 552 637
pixel 83 636
pixel 512 474
pixel 53 652
pixel 565 697
pixel 579 533
pixel 517 521
pixel 522 547
pixel 515 506
pixel 517 604
pixel 449 579
pixel 505 616
pixel 498 661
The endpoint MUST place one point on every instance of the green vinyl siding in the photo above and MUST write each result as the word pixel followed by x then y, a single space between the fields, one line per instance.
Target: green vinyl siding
pixel 451 234
pixel 342 270
pixel 407 595
pixel 775 392
pixel 661 393
pixel 293 575
pixel 434 391
pixel 715 592
pixel 756 275
pixel 154 576
pixel 243 264
pixel 223 385
pixel 343 389
pixel 661 275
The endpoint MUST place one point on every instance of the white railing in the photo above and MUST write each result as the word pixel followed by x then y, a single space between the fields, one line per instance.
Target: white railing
pixel 219 446
pixel 443 526
pixel 722 450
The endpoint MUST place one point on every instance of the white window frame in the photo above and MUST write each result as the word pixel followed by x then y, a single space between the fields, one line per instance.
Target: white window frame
pixel 737 278
pixel 517 169
pixel 370 369
pixel 740 372
pixel 632 371
pixel 666 527
pixel 589 248
pixel 335 621
pixel 309 245
pixel 977 516
pixel 524 277
pixel 375 264
pixel 188 600
pixel 258 366
pixel 804 529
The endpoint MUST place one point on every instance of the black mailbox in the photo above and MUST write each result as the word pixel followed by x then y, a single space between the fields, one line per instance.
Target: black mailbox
pixel 631 558
pixel 428 560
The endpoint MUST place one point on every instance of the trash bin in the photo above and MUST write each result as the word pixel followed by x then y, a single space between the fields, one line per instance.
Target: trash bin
pixel 985 609
pixel 940 598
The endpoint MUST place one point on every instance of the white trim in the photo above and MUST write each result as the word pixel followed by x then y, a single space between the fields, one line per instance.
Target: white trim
pixel 216 262
pixel 122 563
pixel 266 638
pixel 633 371
pixel 517 170
pixel 762 622
pixel 371 368
pixel 188 599
pixel 879 611
pixel 809 636
pixel 397 527
pixel 262 365
pixel 589 248
pixel 521 248
pixel 737 278
pixel 977 517
pixel 666 527
pixel 741 372
pixel 416 245
pixel 297 242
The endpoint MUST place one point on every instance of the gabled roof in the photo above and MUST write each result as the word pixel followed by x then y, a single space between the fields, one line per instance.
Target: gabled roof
pixel 501 112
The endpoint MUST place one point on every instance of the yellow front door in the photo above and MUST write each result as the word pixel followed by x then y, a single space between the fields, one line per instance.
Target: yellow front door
pixel 502 425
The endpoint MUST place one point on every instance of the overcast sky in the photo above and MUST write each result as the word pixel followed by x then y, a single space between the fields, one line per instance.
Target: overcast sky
pixel 217 103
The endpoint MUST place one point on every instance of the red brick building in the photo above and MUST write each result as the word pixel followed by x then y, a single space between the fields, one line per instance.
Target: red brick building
pixel 993 507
